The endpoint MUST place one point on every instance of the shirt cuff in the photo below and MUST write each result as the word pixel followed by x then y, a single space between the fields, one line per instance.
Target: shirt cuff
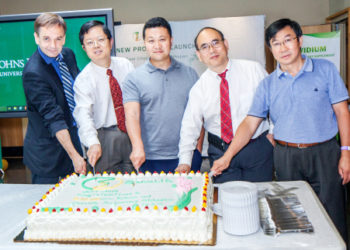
pixel 92 140
pixel 186 158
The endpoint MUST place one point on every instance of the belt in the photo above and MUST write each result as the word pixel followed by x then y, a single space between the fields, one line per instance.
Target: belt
pixel 297 145
pixel 111 128
pixel 219 143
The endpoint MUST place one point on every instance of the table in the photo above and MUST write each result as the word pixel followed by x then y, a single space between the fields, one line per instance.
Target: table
pixel 15 199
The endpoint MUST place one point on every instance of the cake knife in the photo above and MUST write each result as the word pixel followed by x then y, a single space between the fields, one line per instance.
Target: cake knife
pixel 211 173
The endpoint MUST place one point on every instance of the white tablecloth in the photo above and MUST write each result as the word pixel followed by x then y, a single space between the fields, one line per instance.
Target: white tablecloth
pixel 15 199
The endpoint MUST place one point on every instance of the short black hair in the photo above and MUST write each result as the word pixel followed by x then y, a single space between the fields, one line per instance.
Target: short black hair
pixel 156 22
pixel 90 24
pixel 280 24
pixel 206 28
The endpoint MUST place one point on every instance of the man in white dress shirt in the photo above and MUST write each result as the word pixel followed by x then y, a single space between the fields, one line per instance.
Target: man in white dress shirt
pixel 101 130
pixel 220 100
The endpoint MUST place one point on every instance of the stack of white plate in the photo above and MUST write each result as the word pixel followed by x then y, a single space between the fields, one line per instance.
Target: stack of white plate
pixel 238 205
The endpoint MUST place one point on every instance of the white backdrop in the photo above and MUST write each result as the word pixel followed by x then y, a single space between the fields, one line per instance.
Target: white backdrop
pixel 244 34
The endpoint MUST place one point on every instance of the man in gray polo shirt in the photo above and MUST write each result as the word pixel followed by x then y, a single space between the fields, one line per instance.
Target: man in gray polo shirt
pixel 155 96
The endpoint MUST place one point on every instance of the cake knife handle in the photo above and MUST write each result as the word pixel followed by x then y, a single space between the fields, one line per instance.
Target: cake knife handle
pixel 211 173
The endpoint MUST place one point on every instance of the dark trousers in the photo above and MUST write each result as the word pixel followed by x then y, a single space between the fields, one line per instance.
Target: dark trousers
pixel 62 162
pixel 170 165
pixel 37 179
pixel 116 149
pixel 318 165
pixel 253 163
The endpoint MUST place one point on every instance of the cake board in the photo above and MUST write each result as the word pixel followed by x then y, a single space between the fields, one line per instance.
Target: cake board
pixel 212 242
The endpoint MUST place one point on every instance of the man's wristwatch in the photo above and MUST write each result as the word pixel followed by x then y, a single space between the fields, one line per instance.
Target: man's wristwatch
pixel 345 148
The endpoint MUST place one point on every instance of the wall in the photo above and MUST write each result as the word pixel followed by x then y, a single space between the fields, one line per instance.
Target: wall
pixel 338 5
pixel 306 12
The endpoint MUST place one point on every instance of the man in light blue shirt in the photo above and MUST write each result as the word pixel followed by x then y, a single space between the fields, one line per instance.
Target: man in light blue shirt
pixel 307 101
pixel 155 97
pixel 301 106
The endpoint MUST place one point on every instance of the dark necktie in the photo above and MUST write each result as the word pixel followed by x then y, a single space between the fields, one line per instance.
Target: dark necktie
pixel 117 98
pixel 67 82
pixel 226 121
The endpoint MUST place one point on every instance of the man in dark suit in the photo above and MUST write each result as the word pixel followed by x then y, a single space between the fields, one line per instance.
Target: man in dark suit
pixel 51 146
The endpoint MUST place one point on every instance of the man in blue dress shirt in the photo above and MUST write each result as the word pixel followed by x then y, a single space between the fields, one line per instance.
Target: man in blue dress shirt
pixel 306 100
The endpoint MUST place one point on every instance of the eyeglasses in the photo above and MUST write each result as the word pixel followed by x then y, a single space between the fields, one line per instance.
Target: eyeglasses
pixel 205 47
pixel 99 41
pixel 288 42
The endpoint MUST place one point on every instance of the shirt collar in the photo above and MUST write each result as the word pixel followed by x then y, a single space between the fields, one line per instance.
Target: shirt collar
pixel 102 70
pixel 47 59
pixel 307 67
pixel 151 68
pixel 228 67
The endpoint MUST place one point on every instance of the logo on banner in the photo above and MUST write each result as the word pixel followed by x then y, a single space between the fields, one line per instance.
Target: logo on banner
pixel 136 36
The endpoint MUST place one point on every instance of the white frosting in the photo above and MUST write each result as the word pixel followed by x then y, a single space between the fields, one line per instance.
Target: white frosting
pixel 114 207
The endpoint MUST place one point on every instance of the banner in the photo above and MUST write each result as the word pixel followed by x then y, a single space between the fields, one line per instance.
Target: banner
pixel 323 45
pixel 245 36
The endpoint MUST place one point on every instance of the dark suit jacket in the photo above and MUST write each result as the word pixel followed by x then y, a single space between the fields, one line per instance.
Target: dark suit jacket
pixel 48 112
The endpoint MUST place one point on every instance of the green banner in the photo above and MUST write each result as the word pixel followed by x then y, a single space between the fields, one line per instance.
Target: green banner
pixel 323 45
pixel 17 45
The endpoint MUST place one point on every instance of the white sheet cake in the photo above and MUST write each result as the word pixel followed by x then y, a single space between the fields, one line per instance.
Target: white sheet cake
pixel 109 207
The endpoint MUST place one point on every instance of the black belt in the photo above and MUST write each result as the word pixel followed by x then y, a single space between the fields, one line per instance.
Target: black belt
pixel 111 128
pixel 219 143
